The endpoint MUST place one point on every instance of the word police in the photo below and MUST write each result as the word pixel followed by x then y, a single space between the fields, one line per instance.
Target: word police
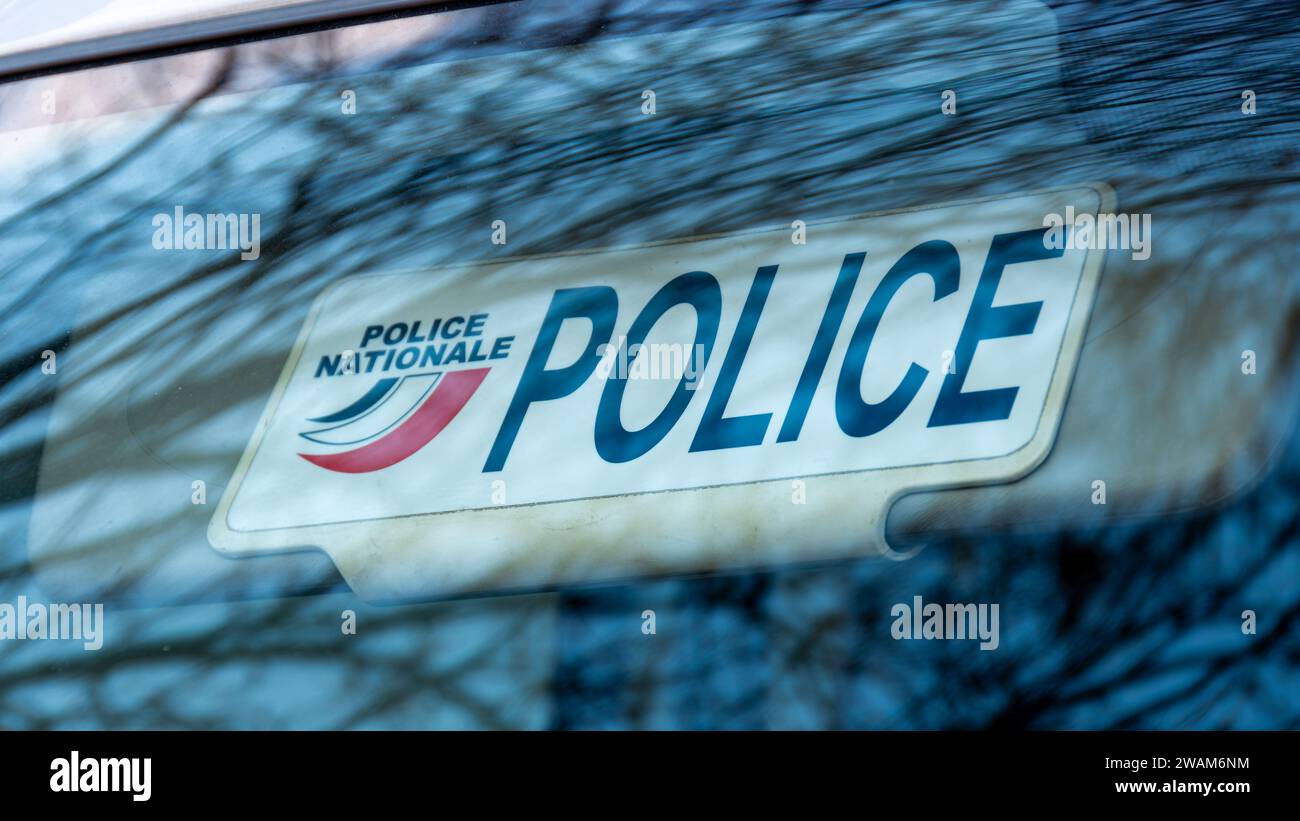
pixel 701 291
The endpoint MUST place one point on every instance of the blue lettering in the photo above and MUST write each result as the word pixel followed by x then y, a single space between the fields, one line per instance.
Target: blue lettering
pixel 701 291
pixel 537 384
pixel 821 348
pixel 856 417
pixel 717 431
pixel 984 321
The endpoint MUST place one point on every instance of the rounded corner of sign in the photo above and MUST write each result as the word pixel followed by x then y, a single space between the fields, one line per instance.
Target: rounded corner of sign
pixel 1013 465
pixel 1031 454
pixel 220 538
pixel 1034 452
pixel 1106 195
pixel 224 537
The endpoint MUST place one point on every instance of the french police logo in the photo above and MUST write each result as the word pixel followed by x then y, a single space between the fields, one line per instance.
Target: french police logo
pixel 418 380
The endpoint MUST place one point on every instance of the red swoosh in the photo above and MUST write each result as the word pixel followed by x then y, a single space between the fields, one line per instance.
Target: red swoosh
pixel 453 391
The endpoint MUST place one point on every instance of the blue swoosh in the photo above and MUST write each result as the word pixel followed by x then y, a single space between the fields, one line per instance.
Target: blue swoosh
pixel 379 391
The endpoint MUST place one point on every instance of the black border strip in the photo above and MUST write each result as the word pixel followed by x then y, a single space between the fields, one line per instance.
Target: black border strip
pixel 912 773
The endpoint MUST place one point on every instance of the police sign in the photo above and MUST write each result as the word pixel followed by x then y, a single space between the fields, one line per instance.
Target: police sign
pixel 708 403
